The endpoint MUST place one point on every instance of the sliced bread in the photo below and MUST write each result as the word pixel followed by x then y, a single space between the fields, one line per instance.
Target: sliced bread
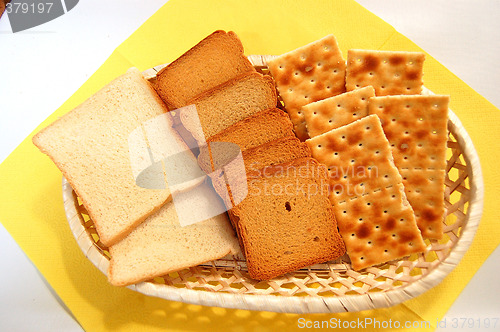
pixel 229 103
pixel 160 245
pixel 90 147
pixel 213 61
pixel 287 222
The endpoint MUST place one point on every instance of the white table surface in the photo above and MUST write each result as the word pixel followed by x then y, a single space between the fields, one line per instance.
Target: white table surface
pixel 463 35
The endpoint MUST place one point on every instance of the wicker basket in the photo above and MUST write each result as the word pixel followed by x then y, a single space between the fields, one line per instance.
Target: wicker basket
pixel 323 288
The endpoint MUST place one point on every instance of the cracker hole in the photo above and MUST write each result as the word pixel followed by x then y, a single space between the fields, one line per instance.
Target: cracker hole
pixel 335 71
pixel 407 132
pixel 316 239
pixel 315 112
pixel 338 105
pixel 393 235
pixel 280 66
pixel 363 98
pixel 336 153
pixel 410 244
pixel 353 114
pixel 367 128
pixel 405 157
pixel 330 121
pixel 380 106
pixel 377 227
pixel 385 211
pixel 386 176
pixel 296 73
pixel 360 144
pixel 418 191
pixel 344 211
pixel 312 81
pixel 352 161
pixel 299 112
pixel 361 258
pixel 382 86
pixel 393 196
pixel 369 242
pixel 370 73
pixel 319 64
pixel 357 85
pixel 408 88
pixel 386 250
pixel 343 137
pixel 360 219
pixel 407 106
pixel 393 120
pixel 328 87
pixel 402 219
pixel 290 90
pixel 306 97
pixel 353 235
pixel 319 145
pixel 420 145
pixel 368 203
pixel 377 152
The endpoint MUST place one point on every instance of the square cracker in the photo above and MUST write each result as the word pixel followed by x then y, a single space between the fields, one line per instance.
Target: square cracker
pixel 358 157
pixel 378 227
pixel 310 73
pixel 416 127
pixel 330 113
pixel 367 193
pixel 390 73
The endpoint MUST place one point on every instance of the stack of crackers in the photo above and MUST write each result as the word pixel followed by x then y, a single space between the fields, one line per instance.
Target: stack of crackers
pixel 383 142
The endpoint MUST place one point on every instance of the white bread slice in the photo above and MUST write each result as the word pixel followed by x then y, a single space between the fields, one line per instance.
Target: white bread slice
pixel 90 146
pixel 213 61
pixel 160 245
pixel 229 103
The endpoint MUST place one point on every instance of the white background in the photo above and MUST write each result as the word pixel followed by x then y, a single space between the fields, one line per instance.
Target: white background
pixel 42 67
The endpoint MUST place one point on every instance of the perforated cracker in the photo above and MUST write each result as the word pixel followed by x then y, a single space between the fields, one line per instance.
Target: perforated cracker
pixel 310 73
pixel 378 227
pixel 390 73
pixel 367 193
pixel 334 112
pixel 425 192
pixel 358 157
pixel 416 127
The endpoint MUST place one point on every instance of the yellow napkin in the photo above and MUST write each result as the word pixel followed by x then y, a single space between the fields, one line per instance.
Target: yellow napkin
pixel 31 206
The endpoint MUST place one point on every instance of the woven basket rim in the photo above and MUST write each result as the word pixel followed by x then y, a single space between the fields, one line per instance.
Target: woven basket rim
pixel 307 304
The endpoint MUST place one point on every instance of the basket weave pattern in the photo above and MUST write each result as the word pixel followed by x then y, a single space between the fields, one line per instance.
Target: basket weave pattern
pixel 328 287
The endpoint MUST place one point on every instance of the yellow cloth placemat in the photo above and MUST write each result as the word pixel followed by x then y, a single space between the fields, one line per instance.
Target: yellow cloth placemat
pixel 31 206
